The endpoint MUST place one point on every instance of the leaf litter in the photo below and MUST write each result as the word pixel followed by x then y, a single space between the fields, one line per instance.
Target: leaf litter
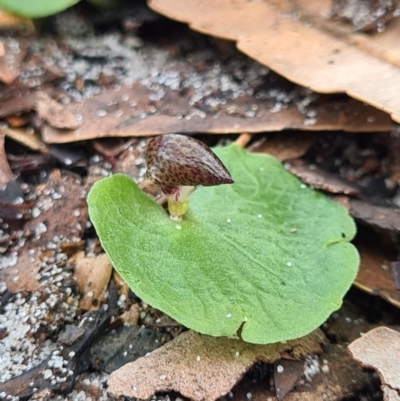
pixel 379 349
pixel 299 41
pixel 72 78
pixel 192 361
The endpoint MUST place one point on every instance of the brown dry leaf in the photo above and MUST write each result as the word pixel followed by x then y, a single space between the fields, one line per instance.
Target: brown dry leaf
pixel 10 61
pixel 6 174
pixel 286 146
pixel 383 218
pixel 334 377
pixel 25 137
pixel 374 276
pixel 297 39
pixel 61 210
pixel 8 21
pixel 21 276
pixel 317 178
pixel 54 113
pixel 17 105
pixel 379 349
pixel 201 367
pixel 92 276
pixel 286 374
pixel 131 316
pixel 131 112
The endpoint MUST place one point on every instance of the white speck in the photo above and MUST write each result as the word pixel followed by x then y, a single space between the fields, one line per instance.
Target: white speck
pixel 71 354
pixel 303 186
pixel 249 396
pixel 101 113
pixel 259 216
pixel 228 220
pixel 163 377
pixel 125 353
pixel 325 369
pixel 293 230
pixel 261 168
pixel 90 294
pixel 178 227
pixel 47 374
pixel 198 358
pixel 289 264
pixel 228 315
pixel 280 369
pixel 134 388
pixel 371 119
pixel 237 353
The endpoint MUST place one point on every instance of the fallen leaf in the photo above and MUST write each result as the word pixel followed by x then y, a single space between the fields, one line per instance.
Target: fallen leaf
pixel 379 349
pixel 17 105
pixel 286 374
pixel 287 145
pixel 71 334
pixel 299 41
pixel 6 174
pixel 54 113
pixel 25 137
pixel 336 377
pixel 374 275
pixel 383 218
pixel 92 276
pixel 21 276
pixel 320 179
pixel 10 61
pixel 201 367
pixel 131 112
pixel 131 316
pixel 60 212
pixel 8 20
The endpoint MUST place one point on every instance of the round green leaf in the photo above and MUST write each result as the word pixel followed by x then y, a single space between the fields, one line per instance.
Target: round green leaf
pixel 36 8
pixel 265 253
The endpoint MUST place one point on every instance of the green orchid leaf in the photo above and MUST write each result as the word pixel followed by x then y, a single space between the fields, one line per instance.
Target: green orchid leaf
pixel 36 8
pixel 265 254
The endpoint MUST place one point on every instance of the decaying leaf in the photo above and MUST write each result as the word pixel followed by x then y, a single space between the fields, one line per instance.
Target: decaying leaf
pixel 92 276
pixel 286 374
pixel 379 217
pixel 286 146
pixel 374 275
pixel 332 376
pixel 319 179
pixel 25 137
pixel 10 61
pixel 21 276
pixel 54 113
pixel 299 41
pixel 61 210
pixel 379 349
pixel 201 367
pixel 131 111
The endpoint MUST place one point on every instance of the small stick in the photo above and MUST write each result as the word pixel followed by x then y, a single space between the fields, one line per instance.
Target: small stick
pixel 243 139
